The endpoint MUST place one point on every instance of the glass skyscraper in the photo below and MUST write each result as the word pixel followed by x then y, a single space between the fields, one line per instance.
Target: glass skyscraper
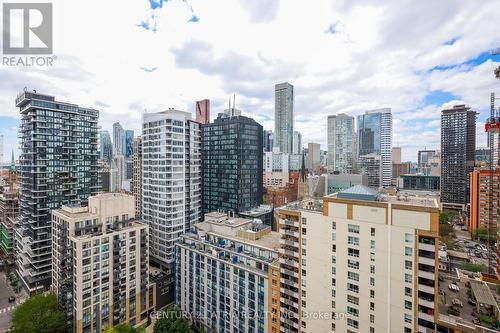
pixel 375 136
pixel 58 165
pixel 232 163
pixel 341 143
pixel 106 146
pixel 118 139
pixel 128 145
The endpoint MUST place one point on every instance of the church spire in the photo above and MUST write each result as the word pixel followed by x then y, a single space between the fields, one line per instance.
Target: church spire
pixel 13 163
pixel 303 174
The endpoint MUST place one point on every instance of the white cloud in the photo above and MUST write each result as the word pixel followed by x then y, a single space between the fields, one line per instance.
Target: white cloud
pixel 380 55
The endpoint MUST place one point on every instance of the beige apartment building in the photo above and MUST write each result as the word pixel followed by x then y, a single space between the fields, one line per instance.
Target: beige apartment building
pixel 358 261
pixel 100 263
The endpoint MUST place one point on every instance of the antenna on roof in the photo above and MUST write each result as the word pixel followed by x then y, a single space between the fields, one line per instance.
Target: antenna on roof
pixel 234 101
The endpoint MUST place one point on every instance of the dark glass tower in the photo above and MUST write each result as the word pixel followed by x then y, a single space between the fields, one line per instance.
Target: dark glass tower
pixel 58 165
pixel 232 164
pixel 458 147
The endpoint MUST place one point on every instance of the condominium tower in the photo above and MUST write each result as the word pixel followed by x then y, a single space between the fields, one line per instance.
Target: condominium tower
pixel 283 117
pixel 101 264
pixel 203 111
pixel 137 176
pixel 375 136
pixel 105 147
pixel 458 144
pixel 341 143
pixel 359 261
pixel 58 165
pixel 171 183
pixel 118 139
pixel 297 143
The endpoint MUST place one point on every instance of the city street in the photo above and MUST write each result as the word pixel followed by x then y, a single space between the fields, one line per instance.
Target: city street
pixel 6 307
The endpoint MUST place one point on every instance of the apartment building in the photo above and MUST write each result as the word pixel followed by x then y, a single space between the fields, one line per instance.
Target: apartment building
pixel 137 176
pixel 100 263
pixel 371 166
pixel 227 275
pixel 484 199
pixel 58 165
pixel 359 261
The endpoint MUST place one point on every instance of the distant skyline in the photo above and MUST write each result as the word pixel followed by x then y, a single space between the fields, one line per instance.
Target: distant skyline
pixel 344 57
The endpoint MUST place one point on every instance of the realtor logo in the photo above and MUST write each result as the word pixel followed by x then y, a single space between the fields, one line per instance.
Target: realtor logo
pixel 27 28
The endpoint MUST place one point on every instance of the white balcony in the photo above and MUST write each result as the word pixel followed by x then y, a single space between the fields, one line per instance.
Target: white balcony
pixel 425 316
pixel 427 289
pixel 427 261
pixel 426 303
pixel 427 275
pixel 426 247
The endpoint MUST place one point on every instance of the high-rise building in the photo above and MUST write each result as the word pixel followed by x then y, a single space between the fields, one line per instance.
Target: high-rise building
pixel 283 117
pixel 118 139
pixel 458 144
pixel 240 259
pixel 100 266
pixel 375 136
pixel 171 182
pixel 203 111
pixel 9 211
pixel 268 141
pixel 484 199
pixel 297 142
pixel 356 257
pixel 429 162
pixel 232 164
pixel 341 143
pixel 396 155
pixel 58 165
pixel 118 177
pixel 137 177
pixel 128 144
pixel 371 166
pixel 105 146
pixel 313 156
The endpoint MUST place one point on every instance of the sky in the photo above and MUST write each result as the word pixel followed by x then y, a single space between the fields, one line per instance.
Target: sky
pixel 125 58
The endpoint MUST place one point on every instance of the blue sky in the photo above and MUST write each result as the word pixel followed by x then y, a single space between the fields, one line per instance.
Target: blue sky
pixel 341 56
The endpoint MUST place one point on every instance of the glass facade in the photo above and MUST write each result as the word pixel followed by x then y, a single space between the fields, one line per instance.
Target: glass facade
pixel 58 165
pixel 232 164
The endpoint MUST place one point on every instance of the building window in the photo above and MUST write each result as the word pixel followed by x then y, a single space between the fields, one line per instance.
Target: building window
pixel 372 281
pixel 372 244
pixel 408 305
pixel 408 251
pixel 353 228
pixel 408 291
pixel 334 225
pixel 408 278
pixel 407 318
pixel 372 293
pixel 408 264
pixel 372 306
pixel 408 238
pixel 372 231
pixel 372 269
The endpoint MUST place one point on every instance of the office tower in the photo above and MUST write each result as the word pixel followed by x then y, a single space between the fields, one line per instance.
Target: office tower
pixel 371 166
pixel 105 146
pixel 375 136
pixel 137 179
pixel 57 166
pixel 203 111
pixel 357 256
pixel 9 211
pixel 283 117
pixel 229 266
pixel 313 156
pixel 267 143
pixel 128 144
pixel 100 266
pixel 341 143
pixel 232 164
pixel 484 199
pixel 396 155
pixel 104 175
pixel 118 139
pixel 458 144
pixel 171 184
pixel 297 143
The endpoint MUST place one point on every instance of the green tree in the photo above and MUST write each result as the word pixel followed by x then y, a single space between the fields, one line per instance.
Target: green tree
pixel 38 314
pixel 483 234
pixel 444 218
pixel 171 321
pixel 122 328
pixel 473 267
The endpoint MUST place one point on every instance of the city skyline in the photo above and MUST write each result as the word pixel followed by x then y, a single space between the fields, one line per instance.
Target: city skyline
pixel 425 73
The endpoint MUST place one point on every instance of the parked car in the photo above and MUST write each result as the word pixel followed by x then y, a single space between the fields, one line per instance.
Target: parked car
pixel 457 302
pixel 471 301
pixel 12 299
pixel 453 287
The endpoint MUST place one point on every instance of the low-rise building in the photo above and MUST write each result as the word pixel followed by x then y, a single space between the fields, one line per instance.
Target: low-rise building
pixel 418 182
